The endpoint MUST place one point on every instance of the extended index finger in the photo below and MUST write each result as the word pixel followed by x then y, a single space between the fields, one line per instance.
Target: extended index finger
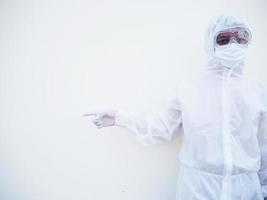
pixel 90 114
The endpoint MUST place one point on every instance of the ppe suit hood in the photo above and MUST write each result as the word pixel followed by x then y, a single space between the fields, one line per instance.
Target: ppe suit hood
pixel 214 66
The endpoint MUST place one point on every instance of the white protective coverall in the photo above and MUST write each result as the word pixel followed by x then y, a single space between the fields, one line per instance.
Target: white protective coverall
pixel 224 118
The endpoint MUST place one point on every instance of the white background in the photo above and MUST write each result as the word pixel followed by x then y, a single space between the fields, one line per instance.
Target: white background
pixel 61 58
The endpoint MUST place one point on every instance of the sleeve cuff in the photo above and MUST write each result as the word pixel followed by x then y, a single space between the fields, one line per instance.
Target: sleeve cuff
pixel 121 118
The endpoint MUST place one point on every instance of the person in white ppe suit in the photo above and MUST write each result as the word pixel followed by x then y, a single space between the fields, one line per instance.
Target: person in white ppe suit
pixel 224 118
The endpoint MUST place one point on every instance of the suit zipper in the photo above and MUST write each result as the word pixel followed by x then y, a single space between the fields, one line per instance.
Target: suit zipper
pixel 226 137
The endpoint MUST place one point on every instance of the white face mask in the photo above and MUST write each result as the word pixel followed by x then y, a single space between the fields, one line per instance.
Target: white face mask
pixel 231 55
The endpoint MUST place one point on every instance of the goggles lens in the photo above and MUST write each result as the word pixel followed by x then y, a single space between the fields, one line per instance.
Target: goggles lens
pixel 241 36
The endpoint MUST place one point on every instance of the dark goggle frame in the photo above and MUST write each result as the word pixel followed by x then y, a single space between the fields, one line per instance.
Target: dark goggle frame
pixel 242 36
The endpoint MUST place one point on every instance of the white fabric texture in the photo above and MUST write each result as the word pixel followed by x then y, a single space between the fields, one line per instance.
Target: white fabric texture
pixel 224 118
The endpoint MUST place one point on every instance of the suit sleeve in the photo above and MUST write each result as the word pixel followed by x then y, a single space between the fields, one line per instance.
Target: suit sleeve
pixel 263 148
pixel 161 125
pixel 262 135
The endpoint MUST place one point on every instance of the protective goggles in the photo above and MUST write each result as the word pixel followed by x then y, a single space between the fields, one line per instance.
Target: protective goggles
pixel 241 36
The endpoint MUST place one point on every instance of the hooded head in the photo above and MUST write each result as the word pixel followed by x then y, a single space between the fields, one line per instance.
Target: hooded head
pixel 230 57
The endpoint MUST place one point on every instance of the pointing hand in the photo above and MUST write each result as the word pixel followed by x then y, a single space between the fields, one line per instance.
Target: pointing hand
pixel 102 118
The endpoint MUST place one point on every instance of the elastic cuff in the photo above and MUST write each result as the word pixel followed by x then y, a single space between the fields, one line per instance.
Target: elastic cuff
pixel 121 118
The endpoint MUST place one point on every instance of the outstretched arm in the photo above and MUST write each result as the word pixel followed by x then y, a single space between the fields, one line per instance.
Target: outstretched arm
pixel 159 126
pixel 156 127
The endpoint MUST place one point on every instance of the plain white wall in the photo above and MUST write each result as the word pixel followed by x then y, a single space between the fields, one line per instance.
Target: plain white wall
pixel 61 58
